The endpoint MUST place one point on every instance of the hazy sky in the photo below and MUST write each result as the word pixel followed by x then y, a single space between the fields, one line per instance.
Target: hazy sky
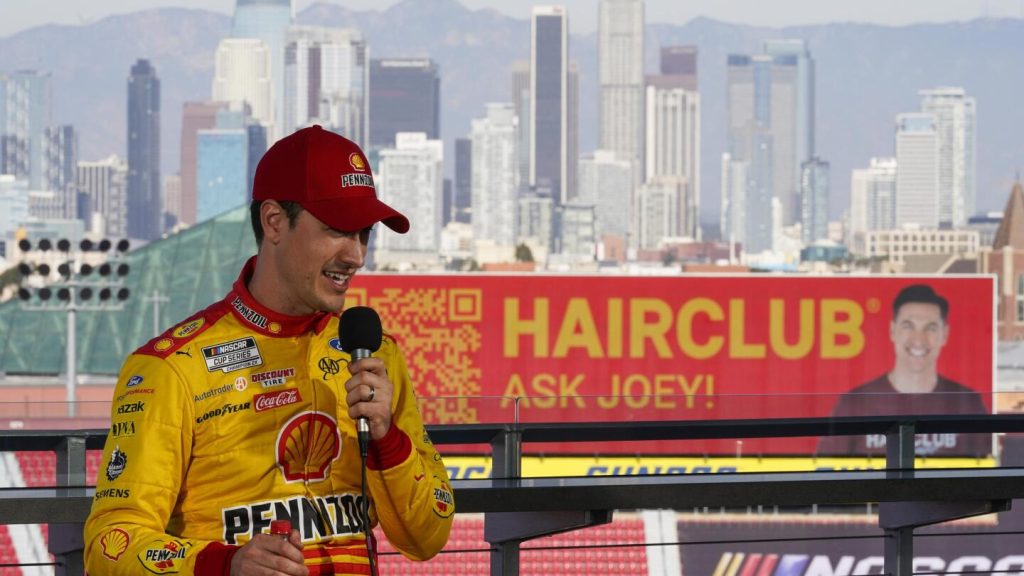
pixel 17 15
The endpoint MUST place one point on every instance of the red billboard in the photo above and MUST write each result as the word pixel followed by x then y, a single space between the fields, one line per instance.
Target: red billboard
pixel 544 348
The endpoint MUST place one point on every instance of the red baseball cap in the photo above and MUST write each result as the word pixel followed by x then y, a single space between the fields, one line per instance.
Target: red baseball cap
pixel 328 175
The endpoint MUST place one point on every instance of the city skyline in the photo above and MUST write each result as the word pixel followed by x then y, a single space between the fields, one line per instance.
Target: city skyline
pixel 24 15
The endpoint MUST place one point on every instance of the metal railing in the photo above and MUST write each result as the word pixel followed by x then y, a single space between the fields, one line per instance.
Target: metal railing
pixel 517 509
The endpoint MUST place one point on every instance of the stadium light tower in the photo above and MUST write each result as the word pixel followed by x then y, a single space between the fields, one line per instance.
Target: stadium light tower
pixel 79 283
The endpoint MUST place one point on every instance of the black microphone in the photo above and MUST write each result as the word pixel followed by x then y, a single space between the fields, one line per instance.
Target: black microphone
pixel 360 334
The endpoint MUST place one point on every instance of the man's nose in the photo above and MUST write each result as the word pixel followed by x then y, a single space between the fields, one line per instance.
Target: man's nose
pixel 351 252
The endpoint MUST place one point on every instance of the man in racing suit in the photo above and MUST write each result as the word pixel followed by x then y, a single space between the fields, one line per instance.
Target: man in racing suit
pixel 245 412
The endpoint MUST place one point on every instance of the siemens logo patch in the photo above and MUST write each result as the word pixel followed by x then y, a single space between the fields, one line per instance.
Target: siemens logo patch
pixel 231 356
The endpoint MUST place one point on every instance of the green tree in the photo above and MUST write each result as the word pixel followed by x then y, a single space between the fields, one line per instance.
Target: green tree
pixel 523 253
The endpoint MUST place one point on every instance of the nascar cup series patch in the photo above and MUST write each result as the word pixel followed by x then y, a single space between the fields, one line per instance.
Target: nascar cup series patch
pixel 231 356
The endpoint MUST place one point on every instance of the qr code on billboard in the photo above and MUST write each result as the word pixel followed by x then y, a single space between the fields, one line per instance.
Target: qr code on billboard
pixel 437 330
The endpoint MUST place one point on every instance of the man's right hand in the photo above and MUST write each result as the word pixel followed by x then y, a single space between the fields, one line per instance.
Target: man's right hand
pixel 267 555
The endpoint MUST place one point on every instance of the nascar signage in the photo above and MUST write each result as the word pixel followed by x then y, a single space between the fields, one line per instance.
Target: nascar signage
pixel 543 348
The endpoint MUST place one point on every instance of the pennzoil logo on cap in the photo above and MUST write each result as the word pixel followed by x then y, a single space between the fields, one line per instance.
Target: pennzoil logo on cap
pixel 357 161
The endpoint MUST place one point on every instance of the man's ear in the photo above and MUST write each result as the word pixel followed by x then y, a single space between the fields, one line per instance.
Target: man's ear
pixel 274 220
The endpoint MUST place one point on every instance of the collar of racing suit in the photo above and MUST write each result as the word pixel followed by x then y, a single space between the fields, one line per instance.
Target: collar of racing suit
pixel 265 320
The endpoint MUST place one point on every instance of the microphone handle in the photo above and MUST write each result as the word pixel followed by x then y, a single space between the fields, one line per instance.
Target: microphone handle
pixel 362 425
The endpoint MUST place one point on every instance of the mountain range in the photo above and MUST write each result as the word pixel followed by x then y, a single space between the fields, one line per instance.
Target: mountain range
pixel 865 75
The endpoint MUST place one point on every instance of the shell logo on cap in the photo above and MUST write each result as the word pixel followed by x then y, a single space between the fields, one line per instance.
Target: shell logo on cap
pixel 306 446
pixel 357 162
pixel 115 543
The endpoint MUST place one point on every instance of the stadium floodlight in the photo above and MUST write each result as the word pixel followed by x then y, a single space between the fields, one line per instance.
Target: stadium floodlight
pixel 64 295
pixel 122 245
pixel 43 270
pixel 85 293
pixel 85 245
pixel 123 294
pixel 45 293
pixel 45 244
pixel 63 245
pixel 85 269
pixel 24 244
pixel 104 245
pixel 105 269
pixel 104 294
pixel 64 269
pixel 24 269
pixel 24 294
pixel 122 269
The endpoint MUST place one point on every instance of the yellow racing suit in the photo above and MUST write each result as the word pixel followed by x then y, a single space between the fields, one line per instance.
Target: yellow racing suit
pixel 237 417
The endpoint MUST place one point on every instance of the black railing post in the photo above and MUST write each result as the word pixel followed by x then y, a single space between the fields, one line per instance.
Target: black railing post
pixel 66 542
pixel 507 462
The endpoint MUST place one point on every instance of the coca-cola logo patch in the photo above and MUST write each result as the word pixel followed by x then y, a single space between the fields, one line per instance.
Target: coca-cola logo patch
pixel 271 400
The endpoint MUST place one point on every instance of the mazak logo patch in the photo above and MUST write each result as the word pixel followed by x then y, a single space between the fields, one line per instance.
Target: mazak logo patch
pixel 132 407
pixel 164 557
pixel 231 356
pixel 118 460
pixel 272 377
pixel 248 314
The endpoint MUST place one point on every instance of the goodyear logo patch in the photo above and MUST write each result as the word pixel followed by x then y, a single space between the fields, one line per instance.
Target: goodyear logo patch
pixel 444 500
pixel 114 543
pixel 164 557
pixel 186 330
pixel 231 356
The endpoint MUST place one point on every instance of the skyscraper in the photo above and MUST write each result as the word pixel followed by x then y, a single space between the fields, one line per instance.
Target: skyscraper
pixel 405 96
pixel 873 196
pixel 60 163
pixel 621 77
pixel 242 75
pixel 227 155
pixel 103 186
pixel 143 202
pixel 196 116
pixel 955 122
pixel 267 20
pixel 521 96
pixel 24 116
pixel 770 101
pixel 463 200
pixel 917 170
pixel 410 179
pixel 494 175
pixel 673 148
pixel 814 187
pixel 327 81
pixel 549 99
pixel 605 181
